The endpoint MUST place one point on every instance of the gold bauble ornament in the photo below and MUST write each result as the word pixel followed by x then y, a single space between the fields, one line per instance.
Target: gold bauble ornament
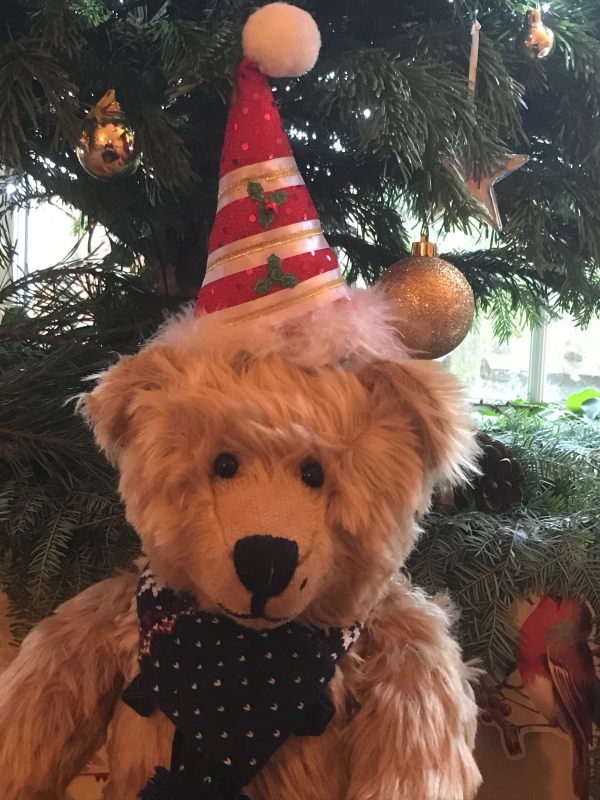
pixel 539 39
pixel 434 301
pixel 106 147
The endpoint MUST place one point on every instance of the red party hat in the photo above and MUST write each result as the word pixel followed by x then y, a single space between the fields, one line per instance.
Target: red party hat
pixel 267 253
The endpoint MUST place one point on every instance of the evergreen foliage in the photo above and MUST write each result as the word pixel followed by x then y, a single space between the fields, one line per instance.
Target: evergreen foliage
pixel 61 521
pixel 550 544
pixel 371 126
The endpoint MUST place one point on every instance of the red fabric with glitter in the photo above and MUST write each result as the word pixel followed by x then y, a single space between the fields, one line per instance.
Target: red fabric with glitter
pixel 240 218
pixel 217 295
pixel 254 136
pixel 254 129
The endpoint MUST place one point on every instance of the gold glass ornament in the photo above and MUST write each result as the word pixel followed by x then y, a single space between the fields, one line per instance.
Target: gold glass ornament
pixel 539 39
pixel 106 147
pixel 434 301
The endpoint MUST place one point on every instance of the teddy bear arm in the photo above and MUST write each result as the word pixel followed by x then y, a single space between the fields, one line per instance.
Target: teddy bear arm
pixel 57 696
pixel 414 734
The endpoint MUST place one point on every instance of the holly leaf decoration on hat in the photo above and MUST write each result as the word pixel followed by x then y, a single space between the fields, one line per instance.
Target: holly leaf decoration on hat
pixel 267 206
pixel 276 277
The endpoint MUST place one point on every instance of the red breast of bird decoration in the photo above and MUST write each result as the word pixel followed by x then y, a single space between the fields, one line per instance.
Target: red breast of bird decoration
pixel 558 673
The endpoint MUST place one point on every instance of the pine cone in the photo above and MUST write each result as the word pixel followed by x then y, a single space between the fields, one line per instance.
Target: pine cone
pixel 500 486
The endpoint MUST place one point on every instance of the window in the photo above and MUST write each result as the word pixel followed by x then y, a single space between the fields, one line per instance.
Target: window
pixel 572 359
pixel 546 364
pixel 46 234
pixel 491 371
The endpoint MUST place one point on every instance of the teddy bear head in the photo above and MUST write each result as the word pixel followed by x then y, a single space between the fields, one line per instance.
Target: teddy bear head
pixel 271 490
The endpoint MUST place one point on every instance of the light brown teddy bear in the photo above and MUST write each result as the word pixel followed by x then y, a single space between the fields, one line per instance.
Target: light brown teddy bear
pixel 274 449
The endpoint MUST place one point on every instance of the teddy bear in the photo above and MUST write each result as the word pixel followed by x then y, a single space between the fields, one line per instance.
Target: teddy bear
pixel 276 446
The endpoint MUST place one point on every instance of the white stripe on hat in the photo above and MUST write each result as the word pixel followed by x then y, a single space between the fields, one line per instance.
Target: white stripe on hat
pixel 305 296
pixel 277 173
pixel 252 251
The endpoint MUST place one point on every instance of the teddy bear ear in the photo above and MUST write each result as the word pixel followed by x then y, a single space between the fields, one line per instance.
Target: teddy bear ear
pixel 434 400
pixel 109 407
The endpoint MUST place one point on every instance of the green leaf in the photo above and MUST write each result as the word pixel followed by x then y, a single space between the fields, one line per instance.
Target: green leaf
pixel 279 196
pixel 263 286
pixel 575 401
pixel 265 217
pixel 274 263
pixel 288 280
pixel 591 408
pixel 256 191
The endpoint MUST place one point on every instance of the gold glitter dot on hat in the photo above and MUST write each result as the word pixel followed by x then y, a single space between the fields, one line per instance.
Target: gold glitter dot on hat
pixel 434 301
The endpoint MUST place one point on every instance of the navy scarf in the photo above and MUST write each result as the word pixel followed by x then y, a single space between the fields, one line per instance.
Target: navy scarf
pixel 234 694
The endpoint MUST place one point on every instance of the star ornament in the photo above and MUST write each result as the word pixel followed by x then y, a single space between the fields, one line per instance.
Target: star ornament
pixel 482 188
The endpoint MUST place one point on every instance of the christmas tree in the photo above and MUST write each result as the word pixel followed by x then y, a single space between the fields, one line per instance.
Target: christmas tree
pixel 374 128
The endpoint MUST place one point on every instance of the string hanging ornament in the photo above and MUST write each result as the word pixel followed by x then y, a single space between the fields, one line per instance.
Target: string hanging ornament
pixel 481 187
pixel 539 41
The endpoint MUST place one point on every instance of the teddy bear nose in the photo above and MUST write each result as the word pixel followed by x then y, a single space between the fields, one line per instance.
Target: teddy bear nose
pixel 265 564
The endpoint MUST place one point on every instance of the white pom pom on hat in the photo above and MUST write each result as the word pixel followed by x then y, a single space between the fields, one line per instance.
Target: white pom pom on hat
pixel 283 40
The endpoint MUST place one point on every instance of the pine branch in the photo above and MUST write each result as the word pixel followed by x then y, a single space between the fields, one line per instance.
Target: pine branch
pixel 550 544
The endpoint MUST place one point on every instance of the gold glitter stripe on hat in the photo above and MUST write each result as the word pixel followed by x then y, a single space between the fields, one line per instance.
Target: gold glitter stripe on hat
pixel 269 244
pixel 248 171
pixel 264 177
pixel 284 304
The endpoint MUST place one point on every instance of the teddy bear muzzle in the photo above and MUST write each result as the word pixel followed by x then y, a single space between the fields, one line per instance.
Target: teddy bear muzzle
pixel 265 565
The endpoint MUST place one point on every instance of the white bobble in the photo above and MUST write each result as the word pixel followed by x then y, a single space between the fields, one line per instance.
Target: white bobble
pixel 283 40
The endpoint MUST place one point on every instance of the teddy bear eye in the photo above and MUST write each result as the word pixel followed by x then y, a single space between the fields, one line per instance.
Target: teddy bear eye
pixel 311 473
pixel 226 465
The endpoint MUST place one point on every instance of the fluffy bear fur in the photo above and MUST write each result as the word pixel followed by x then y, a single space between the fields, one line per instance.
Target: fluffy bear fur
pixel 385 429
